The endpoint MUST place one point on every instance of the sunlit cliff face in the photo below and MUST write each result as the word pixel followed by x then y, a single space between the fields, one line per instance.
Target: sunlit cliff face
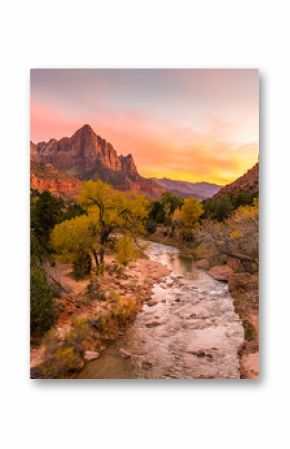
pixel 194 125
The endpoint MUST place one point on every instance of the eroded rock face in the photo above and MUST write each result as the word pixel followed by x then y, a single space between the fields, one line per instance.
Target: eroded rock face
pixel 46 177
pixel 220 272
pixel 85 155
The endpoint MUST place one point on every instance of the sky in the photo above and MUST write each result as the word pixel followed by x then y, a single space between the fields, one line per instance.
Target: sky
pixel 185 124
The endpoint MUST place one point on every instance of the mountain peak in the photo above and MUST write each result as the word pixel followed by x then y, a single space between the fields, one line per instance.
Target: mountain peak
pixel 86 155
pixel 84 130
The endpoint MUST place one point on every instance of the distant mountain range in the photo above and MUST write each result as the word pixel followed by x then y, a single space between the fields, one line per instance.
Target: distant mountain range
pixel 200 190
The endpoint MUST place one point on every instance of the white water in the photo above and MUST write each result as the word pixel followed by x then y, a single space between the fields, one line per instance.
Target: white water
pixel 192 332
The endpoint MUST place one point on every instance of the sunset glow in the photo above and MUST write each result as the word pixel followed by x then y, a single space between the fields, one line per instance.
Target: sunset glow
pixel 193 125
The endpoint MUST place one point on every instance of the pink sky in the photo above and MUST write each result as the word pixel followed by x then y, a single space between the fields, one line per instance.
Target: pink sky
pixel 194 125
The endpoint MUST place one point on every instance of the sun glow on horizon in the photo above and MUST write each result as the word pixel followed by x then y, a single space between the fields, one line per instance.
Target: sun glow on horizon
pixel 190 125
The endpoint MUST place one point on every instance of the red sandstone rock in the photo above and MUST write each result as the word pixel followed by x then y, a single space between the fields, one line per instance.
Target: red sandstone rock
pixel 220 272
pixel 89 156
pixel 235 265
pixel 203 263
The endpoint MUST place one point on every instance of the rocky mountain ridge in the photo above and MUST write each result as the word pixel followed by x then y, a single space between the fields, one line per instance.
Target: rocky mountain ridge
pixel 85 155
pixel 249 182
pixel 200 190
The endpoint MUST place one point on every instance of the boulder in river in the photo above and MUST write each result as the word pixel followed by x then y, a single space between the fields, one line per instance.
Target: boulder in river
pixel 91 355
pixel 220 272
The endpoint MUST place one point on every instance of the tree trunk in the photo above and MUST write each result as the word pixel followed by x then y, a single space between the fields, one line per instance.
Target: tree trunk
pixel 96 259
pixel 102 259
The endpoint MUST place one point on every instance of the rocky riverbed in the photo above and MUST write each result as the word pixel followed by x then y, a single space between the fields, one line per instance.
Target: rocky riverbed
pixel 188 329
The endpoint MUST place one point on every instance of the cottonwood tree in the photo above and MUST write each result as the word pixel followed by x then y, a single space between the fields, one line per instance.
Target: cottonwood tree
pixel 110 215
pixel 187 216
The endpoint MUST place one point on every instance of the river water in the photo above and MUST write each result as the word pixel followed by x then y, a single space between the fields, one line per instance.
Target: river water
pixel 192 332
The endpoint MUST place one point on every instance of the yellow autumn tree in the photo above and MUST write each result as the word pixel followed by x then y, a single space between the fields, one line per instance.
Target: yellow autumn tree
pixel 110 215
pixel 189 214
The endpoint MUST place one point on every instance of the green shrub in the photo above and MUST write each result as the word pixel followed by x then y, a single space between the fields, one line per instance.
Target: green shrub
pixel 94 290
pixel 42 310
pixel 62 363
pixel 249 330
pixel 62 358
pixel 82 265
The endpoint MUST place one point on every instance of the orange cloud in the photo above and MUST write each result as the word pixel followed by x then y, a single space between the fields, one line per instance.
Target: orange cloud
pixel 160 148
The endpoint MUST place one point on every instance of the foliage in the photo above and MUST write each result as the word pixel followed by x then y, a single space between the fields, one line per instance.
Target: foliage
pixel 170 203
pixel 161 211
pixel 42 311
pixel 125 250
pixel 82 265
pixel 94 290
pixel 73 237
pixel 64 357
pixel 189 213
pixel 249 330
pixel 76 336
pixel 187 218
pixel 122 311
pixel 72 210
pixel 220 207
pixel 46 211
pixel 108 212
pixel 157 212
pixel 239 233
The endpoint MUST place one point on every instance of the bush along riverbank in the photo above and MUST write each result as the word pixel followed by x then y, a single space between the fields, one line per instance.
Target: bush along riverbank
pixel 91 313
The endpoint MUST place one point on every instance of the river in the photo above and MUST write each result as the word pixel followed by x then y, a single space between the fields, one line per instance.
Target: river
pixel 192 332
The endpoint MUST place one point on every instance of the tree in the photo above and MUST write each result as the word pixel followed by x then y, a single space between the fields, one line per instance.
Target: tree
pixel 170 202
pixel 70 239
pixel 46 211
pixel 125 250
pixel 189 214
pixel 157 212
pixel 187 217
pixel 110 214
pixel 238 234
pixel 42 311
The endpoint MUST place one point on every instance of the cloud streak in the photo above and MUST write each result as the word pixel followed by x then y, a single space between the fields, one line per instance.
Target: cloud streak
pixel 178 124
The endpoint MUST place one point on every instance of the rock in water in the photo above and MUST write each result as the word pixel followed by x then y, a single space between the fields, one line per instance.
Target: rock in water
pixel 91 355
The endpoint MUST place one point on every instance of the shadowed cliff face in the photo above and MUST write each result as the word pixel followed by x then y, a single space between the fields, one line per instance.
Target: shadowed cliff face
pixel 85 155
pixel 249 182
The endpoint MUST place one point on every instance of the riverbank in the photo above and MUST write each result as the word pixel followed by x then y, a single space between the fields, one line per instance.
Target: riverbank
pixel 106 305
pixel 189 331
pixel 246 302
